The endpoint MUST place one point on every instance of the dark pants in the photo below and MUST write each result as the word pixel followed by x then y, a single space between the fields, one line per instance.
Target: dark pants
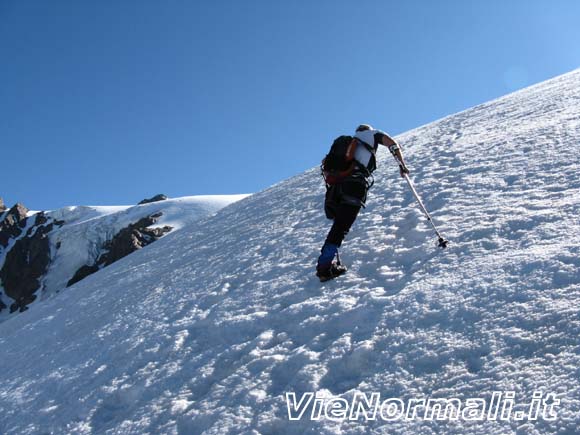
pixel 342 204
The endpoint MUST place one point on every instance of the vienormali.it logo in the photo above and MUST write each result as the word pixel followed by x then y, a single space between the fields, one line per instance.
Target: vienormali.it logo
pixel 361 406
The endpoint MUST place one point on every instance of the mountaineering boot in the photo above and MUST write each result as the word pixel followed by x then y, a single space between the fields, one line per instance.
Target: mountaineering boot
pixel 327 268
pixel 325 274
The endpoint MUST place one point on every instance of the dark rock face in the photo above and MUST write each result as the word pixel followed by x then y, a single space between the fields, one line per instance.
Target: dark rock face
pixel 82 273
pixel 132 238
pixel 27 262
pixel 12 224
pixel 2 206
pixel 126 241
pixel 159 197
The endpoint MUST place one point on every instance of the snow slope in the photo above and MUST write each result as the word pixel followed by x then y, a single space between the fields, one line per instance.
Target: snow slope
pixel 206 329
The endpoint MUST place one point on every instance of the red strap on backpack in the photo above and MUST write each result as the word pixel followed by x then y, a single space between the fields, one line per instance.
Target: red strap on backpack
pixel 337 177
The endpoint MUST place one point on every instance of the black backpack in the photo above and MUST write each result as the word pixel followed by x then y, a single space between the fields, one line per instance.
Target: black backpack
pixel 339 163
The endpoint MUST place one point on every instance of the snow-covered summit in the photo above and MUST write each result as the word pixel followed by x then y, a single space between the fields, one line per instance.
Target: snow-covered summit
pixel 177 212
pixel 205 330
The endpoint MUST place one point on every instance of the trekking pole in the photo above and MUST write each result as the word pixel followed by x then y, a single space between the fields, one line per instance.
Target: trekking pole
pixel 442 242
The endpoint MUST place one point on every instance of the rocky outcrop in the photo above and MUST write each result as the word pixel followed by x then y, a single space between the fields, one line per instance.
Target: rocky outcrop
pixel 156 198
pixel 26 263
pixel 82 273
pixel 126 241
pixel 132 238
pixel 2 206
pixel 13 224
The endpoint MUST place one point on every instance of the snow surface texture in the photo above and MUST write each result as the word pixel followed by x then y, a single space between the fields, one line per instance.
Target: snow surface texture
pixel 80 240
pixel 206 329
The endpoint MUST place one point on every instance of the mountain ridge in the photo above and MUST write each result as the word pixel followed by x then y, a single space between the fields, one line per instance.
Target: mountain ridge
pixel 43 252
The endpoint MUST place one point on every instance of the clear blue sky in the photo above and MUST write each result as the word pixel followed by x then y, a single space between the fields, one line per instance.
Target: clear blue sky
pixel 107 102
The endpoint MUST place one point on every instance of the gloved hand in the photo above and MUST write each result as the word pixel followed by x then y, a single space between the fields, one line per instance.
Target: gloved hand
pixel 404 170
